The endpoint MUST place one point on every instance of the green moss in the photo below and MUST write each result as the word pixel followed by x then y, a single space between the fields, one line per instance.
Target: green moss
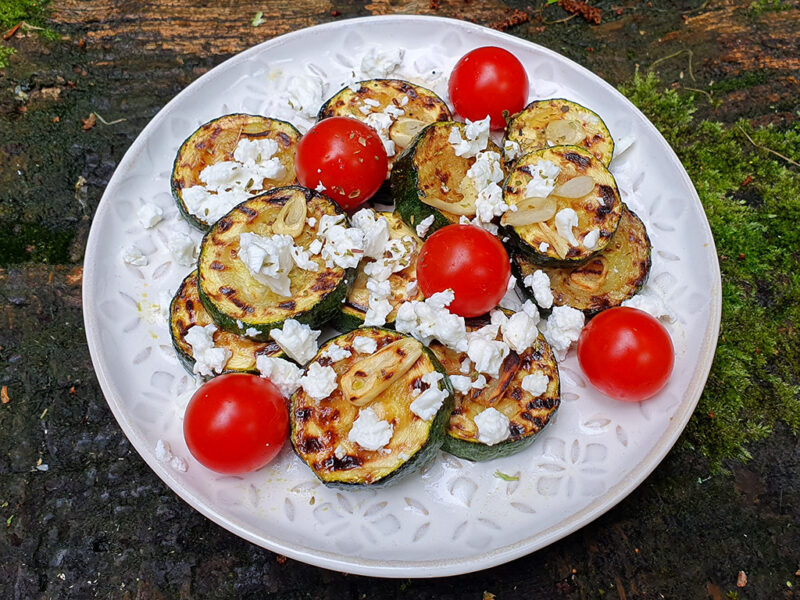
pixel 5 53
pixel 752 200
pixel 29 242
pixel 14 11
pixel 762 6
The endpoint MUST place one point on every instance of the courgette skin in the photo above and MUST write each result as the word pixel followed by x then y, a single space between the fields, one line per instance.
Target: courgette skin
pixel 326 412
pixel 185 170
pixel 186 311
pixel 346 319
pixel 627 258
pixel 320 293
pixel 524 240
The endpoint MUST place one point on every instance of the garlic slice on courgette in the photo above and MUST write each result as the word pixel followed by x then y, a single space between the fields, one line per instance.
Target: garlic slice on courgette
pixel 529 211
pixel 465 206
pixel 405 129
pixel 292 217
pixel 577 187
pixel 564 132
pixel 368 378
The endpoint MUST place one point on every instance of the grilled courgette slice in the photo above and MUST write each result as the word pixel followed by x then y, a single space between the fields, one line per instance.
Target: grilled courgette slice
pixel 527 414
pixel 403 283
pixel 559 122
pixel 320 429
pixel 427 179
pixel 236 301
pixel 608 279
pixel 399 110
pixel 186 311
pixel 597 210
pixel 216 141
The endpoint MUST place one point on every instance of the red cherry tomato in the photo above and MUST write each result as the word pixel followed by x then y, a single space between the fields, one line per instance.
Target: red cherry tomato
pixel 236 423
pixel 488 81
pixel 346 156
pixel 626 354
pixel 468 260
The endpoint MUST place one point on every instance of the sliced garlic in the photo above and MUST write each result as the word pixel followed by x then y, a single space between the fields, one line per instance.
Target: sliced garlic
pixel 577 187
pixel 558 243
pixel 368 378
pixel 529 211
pixel 292 217
pixel 405 129
pixel 465 206
pixel 564 132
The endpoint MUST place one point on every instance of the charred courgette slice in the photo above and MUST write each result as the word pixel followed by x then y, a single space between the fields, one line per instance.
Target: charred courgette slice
pixel 559 122
pixel 216 141
pixel 527 414
pixel 397 109
pixel 186 311
pixel 609 278
pixel 596 205
pixel 235 300
pixel 320 429
pixel 427 179
pixel 403 283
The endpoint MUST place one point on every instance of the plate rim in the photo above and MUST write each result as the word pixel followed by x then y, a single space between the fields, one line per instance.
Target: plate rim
pixel 398 568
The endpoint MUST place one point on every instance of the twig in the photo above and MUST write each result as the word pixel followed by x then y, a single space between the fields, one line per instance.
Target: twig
pixel 710 97
pixel 673 55
pixel 104 122
pixel 770 150
pixel 564 20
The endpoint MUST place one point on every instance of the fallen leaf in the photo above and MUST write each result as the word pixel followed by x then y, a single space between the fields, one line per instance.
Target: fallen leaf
pixel 258 19
pixel 4 395
pixel 89 121
pixel 741 581
pixel 10 33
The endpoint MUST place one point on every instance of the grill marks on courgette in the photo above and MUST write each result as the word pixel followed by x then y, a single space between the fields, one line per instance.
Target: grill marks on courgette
pixel 186 311
pixel 235 300
pixel 608 279
pixel 319 429
pixel 419 106
pixel 429 171
pixel 216 141
pixel 600 209
pixel 559 122
pixel 527 414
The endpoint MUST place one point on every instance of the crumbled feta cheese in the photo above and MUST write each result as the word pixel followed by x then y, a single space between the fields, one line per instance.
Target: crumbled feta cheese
pixel 379 306
pixel 562 328
pixel 315 247
pixel 208 206
pixel 268 259
pixel 397 256
pixel 424 225
pixel 311 222
pixel 379 63
pixel 133 255
pixel 530 309
pixel 590 239
pixel 543 179
pixel 511 149
pixel 305 95
pixel 163 451
pixel 370 432
pixel 208 359
pixel 302 258
pixel 381 122
pixel 344 246
pixel 284 374
pixel 428 403
pixel 394 111
pixel 340 451
pixel 183 249
pixel 486 354
pixel 466 366
pixel 259 151
pixel 566 219
pixel 364 345
pixel 520 332
pixel 150 215
pixel 477 137
pixel 479 383
pixel 318 382
pixel 375 229
pixel 535 384
pixel 336 353
pixel 252 332
pixel 493 426
pixel 650 301
pixel 484 176
pixel 544 247
pixel 298 340
pixel 430 320
pixel 412 287
pixel 539 283
pixel 461 383
pixel 179 464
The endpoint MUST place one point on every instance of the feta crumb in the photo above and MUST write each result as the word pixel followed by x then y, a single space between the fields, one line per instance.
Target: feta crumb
pixel 311 222
pixel 375 229
pixel 566 219
pixel 486 354
pixel 480 382
pixel 543 247
pixel 539 283
pixel 493 426
pixel 412 287
pixel 163 451
pixel 461 383
pixel 364 345
pixel 428 403
pixel 302 258
pixel 318 382
pixel 340 451
pixel 284 374
pixel 182 248
pixel 381 122
pixel 379 63
pixel 252 332
pixel 268 259
pixel 543 179
pixel 298 340
pixel 511 149
pixel 132 255
pixel 305 95
pixel 320 188
pixel 477 137
pixel 370 432
pixel 650 301
pixel 520 332
pixel 562 328
pixel 466 366
pixel 424 225
pixel 208 358
pixel 150 215
pixel 336 353
pixel 430 320
pixel 179 464
pixel 591 238
pixel 343 246
pixel 535 384
pixel 483 178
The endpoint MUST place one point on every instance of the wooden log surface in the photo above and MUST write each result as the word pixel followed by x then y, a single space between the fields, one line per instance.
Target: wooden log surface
pixel 99 523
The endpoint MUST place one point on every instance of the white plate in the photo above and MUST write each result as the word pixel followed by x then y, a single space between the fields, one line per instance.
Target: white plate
pixel 454 517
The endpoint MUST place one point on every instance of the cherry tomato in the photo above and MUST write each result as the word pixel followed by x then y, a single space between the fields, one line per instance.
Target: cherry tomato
pixel 488 81
pixel 346 156
pixel 626 354
pixel 468 260
pixel 236 423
